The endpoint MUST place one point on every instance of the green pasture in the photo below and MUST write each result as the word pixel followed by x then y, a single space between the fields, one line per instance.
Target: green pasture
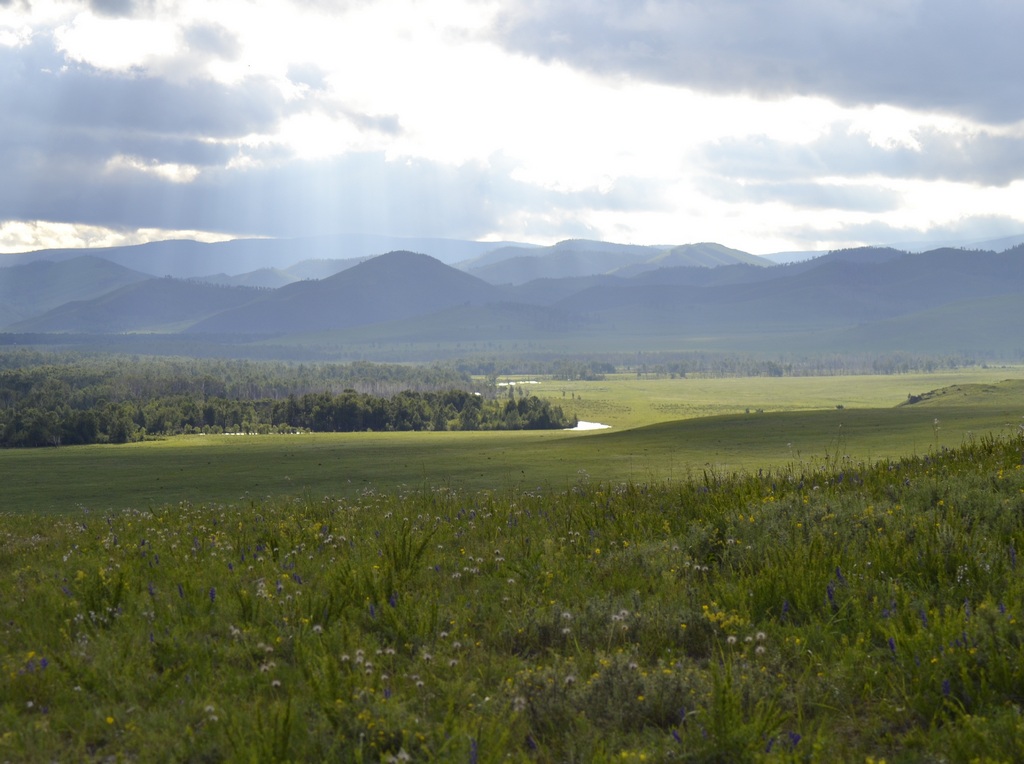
pixel 629 400
pixel 662 429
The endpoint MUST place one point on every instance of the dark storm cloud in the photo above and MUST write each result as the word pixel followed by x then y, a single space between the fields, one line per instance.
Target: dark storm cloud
pixel 37 88
pixel 119 8
pixel 66 128
pixel 359 192
pixel 983 158
pixel 946 55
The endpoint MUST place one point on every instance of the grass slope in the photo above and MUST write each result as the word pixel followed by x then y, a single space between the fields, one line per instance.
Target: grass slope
pixel 250 468
pixel 840 614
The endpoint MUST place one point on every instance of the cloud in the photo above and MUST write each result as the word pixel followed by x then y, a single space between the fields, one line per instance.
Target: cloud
pixel 961 232
pixel 982 158
pixel 355 193
pixel 38 87
pixel 213 40
pixel 805 195
pixel 941 55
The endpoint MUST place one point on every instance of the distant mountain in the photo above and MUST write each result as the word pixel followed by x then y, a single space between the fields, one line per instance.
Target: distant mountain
pixel 942 301
pixel 705 255
pixel 35 288
pixel 571 258
pixel 153 305
pixel 321 269
pixel 577 258
pixel 186 258
pixel 390 287
pixel 273 278
pixel 825 293
pixel 982 327
pixel 780 258
pixel 264 278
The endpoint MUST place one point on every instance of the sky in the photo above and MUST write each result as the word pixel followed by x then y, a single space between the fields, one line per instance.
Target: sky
pixel 764 126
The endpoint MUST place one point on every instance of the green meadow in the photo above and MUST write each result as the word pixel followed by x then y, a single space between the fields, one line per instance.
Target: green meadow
pixel 660 429
pixel 802 582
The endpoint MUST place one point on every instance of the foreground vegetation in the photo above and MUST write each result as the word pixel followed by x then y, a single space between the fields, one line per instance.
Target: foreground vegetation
pixel 836 612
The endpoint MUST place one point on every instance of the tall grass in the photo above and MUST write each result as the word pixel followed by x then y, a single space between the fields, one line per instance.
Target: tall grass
pixel 826 611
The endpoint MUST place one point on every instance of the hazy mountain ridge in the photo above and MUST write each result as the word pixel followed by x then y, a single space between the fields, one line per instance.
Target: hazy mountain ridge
pixel 34 288
pixel 578 258
pixel 851 298
pixel 390 287
pixel 153 305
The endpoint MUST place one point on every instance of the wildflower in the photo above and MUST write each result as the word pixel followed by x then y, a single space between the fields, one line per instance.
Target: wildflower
pixel 276 683
pixel 731 639
pixel 213 594
pixel 760 636
pixel 892 645
pixel 317 628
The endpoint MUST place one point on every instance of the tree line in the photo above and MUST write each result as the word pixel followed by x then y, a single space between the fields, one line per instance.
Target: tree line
pixel 116 400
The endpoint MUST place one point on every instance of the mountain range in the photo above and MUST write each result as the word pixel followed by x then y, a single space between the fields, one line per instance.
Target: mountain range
pixel 573 297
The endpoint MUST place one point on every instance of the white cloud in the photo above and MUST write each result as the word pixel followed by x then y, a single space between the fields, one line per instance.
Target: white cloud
pixel 173 172
pixel 24 236
pixel 116 44
pixel 661 123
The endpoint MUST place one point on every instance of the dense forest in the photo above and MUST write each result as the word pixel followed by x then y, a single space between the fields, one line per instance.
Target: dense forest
pixel 47 401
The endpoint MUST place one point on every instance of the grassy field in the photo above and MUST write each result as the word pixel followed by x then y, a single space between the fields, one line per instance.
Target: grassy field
pixel 801 425
pixel 798 583
pixel 627 401
pixel 830 614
